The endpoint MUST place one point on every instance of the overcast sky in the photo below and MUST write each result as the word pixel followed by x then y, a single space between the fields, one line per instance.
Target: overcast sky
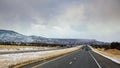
pixel 84 19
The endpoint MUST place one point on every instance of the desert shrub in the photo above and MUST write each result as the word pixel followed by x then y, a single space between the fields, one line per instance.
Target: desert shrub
pixel 115 45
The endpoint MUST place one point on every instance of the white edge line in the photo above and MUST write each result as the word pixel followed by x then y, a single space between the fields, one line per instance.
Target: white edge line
pixel 95 60
pixel 114 60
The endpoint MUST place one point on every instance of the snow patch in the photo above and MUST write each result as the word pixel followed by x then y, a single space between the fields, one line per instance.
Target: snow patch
pixel 10 59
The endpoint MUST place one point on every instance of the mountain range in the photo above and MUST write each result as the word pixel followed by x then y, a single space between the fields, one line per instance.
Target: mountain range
pixel 12 36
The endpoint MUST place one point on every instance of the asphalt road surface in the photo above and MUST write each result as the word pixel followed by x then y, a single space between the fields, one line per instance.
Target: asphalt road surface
pixel 84 58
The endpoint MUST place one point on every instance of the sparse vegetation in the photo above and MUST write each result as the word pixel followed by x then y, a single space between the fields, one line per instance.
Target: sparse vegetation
pixel 112 50
pixel 32 44
pixel 7 60
pixel 14 47
pixel 113 45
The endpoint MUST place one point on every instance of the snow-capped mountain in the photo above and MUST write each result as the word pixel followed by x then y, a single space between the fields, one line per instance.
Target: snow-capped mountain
pixel 12 36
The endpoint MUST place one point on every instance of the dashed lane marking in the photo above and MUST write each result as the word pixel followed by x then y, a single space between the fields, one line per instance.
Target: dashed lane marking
pixel 70 63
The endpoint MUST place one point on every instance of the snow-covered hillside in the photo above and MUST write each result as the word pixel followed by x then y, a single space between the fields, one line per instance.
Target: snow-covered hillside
pixel 12 36
pixel 7 35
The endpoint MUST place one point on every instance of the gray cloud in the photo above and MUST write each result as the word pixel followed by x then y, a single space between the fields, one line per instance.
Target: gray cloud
pixel 97 19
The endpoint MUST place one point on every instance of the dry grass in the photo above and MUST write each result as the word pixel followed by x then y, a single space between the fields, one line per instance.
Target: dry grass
pixel 46 56
pixel 9 47
pixel 8 61
pixel 110 52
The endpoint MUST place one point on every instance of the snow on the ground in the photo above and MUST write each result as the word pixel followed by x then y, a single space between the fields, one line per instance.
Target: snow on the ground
pixel 20 49
pixel 10 59
pixel 116 60
pixel 24 49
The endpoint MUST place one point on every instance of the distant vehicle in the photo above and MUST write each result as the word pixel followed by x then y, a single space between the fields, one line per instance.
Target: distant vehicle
pixel 86 48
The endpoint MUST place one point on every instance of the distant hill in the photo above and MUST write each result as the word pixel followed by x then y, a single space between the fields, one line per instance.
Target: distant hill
pixel 12 36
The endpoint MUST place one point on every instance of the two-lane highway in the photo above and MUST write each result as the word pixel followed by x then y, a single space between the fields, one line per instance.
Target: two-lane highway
pixel 84 58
